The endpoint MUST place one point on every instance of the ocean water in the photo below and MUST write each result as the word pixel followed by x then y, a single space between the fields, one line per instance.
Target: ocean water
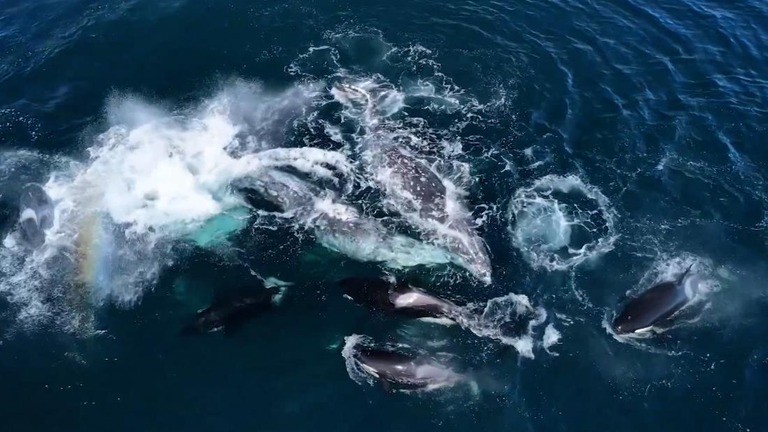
pixel 595 147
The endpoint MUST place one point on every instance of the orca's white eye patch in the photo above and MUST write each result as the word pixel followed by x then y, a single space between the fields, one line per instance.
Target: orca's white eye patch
pixel 28 214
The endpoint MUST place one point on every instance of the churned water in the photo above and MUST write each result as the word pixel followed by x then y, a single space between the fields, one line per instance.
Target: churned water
pixel 587 151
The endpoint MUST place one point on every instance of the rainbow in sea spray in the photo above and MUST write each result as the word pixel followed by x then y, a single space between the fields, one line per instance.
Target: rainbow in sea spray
pixel 95 249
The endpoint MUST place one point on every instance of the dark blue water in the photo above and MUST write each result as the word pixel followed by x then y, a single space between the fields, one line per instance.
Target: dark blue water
pixel 650 115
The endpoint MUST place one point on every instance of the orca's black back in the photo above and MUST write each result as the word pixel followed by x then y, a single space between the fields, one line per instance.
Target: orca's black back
pixel 372 293
pixel 652 306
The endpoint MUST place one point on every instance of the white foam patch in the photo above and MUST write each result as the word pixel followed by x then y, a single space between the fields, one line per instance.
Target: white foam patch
pixel 487 320
pixel 354 369
pixel 551 337
pixel 171 174
pixel 545 217
pixel 28 214
pixel 699 285
pixel 154 176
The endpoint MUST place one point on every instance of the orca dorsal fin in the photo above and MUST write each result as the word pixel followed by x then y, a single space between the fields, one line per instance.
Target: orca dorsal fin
pixel 684 274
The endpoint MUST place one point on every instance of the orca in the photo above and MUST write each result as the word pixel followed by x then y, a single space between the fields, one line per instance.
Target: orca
pixel 35 214
pixel 230 312
pixel 393 369
pixel 398 299
pixel 654 306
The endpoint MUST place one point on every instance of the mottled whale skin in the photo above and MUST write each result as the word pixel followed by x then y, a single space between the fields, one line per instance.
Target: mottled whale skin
pixel 397 370
pixel 417 192
pixel 230 312
pixel 653 306
pixel 35 214
pixel 397 299
pixel 340 226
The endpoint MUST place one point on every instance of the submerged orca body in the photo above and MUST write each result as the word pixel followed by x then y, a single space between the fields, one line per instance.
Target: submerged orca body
pixel 231 312
pixel 397 299
pixel 35 214
pixel 395 369
pixel 653 306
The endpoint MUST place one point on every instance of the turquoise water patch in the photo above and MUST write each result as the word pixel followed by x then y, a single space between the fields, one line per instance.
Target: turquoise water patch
pixel 216 230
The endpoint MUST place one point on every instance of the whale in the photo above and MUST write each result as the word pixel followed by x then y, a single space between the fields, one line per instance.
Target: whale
pixel 35 214
pixel 229 312
pixel 396 370
pixel 339 226
pixel 400 299
pixel 413 189
pixel 654 306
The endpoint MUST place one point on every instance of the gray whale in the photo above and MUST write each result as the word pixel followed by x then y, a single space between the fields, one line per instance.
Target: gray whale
pixel 414 190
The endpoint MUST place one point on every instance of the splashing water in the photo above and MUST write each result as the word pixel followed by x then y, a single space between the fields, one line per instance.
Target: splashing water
pixel 153 177
pixel 551 337
pixel 510 319
pixel 397 148
pixel 427 200
pixel 354 370
pixel 434 374
pixel 699 287
pixel 560 222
